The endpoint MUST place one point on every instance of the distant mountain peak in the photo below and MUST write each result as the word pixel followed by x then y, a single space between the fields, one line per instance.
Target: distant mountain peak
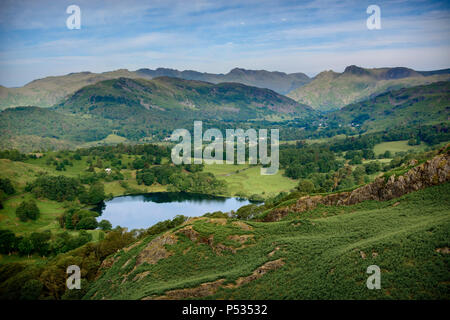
pixel 356 70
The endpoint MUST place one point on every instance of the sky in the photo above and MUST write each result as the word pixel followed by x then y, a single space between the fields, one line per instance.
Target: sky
pixel 216 36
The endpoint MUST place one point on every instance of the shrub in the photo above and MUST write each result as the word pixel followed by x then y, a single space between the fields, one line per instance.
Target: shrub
pixel 27 210
pixel 305 185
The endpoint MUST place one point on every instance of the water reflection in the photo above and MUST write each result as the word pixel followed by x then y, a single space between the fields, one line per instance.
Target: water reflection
pixel 144 210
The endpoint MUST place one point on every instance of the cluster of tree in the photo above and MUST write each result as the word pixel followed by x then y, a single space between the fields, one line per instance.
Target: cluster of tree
pixel 343 178
pixel 14 155
pixel 62 188
pixel 431 135
pixel 48 281
pixel 60 165
pixel 357 156
pixel 160 174
pixel 58 188
pixel 41 243
pixel 110 153
pixel 199 182
pixel 27 210
pixel 302 160
pixel 75 219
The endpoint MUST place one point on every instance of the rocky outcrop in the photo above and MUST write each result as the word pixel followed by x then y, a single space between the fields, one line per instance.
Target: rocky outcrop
pixel 432 172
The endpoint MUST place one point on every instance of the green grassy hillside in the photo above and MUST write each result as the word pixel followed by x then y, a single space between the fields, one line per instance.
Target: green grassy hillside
pixel 427 104
pixel 50 90
pixel 136 109
pixel 319 254
pixel 122 98
pixel 331 90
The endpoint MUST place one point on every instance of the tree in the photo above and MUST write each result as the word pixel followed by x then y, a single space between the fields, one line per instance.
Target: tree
pixel 6 186
pixel 7 241
pixel 87 223
pixel 94 195
pixel 40 242
pixel 105 225
pixel 372 167
pixel 25 246
pixel 305 185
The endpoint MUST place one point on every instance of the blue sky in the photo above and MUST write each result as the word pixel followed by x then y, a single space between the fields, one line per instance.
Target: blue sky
pixel 216 36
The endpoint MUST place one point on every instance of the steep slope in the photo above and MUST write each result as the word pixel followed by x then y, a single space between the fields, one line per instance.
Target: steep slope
pixel 176 98
pixel 330 90
pixel 320 253
pixel 426 104
pixel 51 90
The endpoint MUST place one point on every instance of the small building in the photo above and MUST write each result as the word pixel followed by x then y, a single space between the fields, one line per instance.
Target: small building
pixel 108 170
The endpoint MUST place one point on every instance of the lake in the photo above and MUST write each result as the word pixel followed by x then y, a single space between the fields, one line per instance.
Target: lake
pixel 145 210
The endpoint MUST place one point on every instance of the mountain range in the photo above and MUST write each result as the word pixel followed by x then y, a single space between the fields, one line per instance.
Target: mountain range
pixel 51 90
pixel 331 90
pixel 328 90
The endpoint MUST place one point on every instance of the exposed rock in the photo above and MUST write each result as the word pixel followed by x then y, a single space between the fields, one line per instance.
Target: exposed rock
pixel 155 250
pixel 219 221
pixel 106 264
pixel 432 172
pixel 242 225
pixel 141 275
pixel 218 248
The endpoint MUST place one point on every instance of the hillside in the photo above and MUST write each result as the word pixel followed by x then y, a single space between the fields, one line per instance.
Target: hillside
pixel 33 128
pixel 137 108
pixel 196 99
pixel 318 253
pixel 52 90
pixel 425 104
pixel 331 90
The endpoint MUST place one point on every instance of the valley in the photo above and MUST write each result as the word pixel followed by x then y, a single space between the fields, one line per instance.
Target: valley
pixel 286 236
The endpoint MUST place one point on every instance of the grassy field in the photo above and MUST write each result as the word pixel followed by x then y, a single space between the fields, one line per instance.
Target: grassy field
pixel 324 254
pixel 396 146
pixel 247 180
pixel 109 140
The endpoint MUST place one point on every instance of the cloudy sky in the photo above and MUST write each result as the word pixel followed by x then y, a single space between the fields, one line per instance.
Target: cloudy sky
pixel 216 36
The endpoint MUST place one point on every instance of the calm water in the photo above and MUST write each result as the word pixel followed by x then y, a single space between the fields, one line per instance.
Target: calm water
pixel 143 211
